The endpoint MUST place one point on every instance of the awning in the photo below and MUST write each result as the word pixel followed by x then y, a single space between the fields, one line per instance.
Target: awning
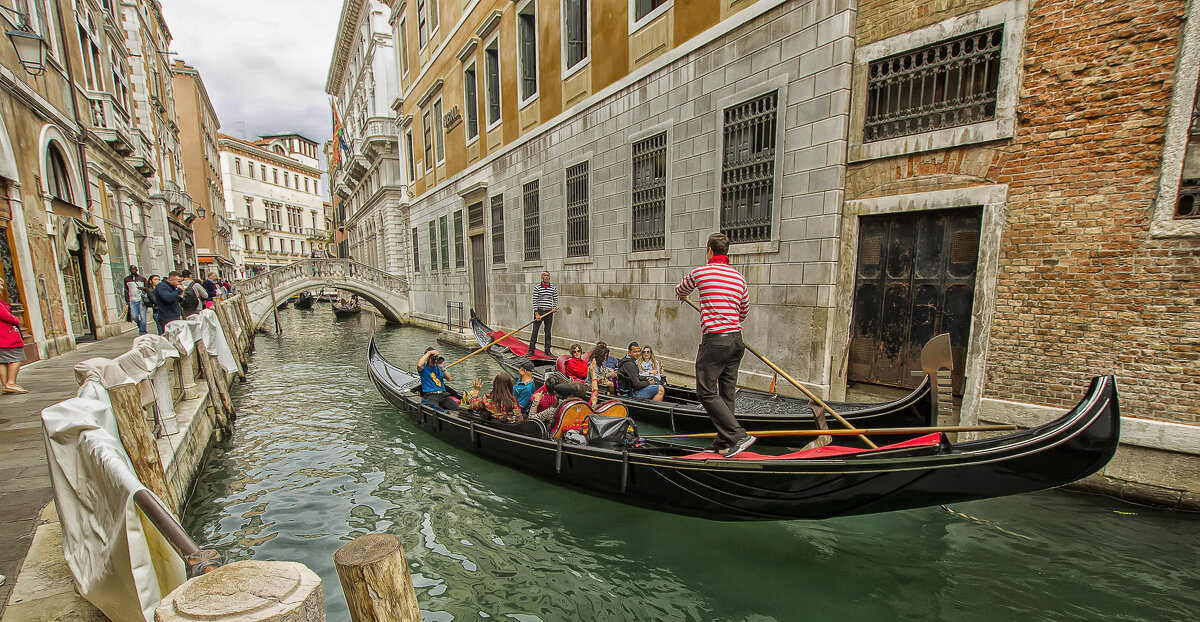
pixel 71 232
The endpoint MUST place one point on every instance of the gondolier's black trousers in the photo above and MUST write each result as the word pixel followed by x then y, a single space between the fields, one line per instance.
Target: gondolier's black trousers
pixel 717 362
pixel 547 321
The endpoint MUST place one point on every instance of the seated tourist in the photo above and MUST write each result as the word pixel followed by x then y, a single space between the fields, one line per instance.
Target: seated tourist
pixel 575 376
pixel 500 404
pixel 433 380
pixel 649 364
pixel 639 387
pixel 543 405
pixel 524 388
pixel 600 378
pixel 610 362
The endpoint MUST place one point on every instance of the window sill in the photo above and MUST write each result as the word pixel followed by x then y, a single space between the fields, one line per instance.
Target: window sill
pixel 1175 228
pixel 649 255
pixel 532 98
pixel 754 248
pixel 570 71
pixel 499 268
pixel 578 261
pixel 494 126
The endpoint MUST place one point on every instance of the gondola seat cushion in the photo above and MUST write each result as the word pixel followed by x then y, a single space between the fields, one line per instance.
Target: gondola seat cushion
pixel 828 451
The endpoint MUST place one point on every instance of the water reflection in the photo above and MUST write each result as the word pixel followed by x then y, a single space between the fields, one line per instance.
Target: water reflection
pixel 319 458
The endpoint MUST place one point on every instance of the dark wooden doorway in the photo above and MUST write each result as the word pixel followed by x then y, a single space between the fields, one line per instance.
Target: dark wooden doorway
pixel 915 278
pixel 479 301
pixel 79 299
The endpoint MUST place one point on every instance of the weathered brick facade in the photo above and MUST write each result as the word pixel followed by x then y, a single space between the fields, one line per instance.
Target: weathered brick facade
pixel 1082 287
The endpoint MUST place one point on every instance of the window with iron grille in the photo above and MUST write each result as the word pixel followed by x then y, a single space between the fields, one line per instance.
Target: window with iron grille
pixel 416 252
pixel 533 229
pixel 527 50
pixel 748 169
pixel 444 227
pixel 650 193
pixel 577 211
pixel 946 84
pixel 1187 206
pixel 433 255
pixel 460 258
pixel 498 229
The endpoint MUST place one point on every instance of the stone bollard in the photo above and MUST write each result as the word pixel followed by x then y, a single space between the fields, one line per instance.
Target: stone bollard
pixel 376 581
pixel 187 376
pixel 249 591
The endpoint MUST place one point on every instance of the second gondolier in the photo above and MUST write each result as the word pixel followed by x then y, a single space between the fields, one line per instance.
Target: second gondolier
pixel 545 301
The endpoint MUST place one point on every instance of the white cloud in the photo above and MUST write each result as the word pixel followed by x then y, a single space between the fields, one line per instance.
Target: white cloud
pixel 264 62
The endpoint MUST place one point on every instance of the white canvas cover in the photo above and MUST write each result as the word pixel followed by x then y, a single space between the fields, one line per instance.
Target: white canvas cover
pixel 120 562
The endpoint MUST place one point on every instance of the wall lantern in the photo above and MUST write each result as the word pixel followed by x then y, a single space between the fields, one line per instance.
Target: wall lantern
pixel 201 212
pixel 30 47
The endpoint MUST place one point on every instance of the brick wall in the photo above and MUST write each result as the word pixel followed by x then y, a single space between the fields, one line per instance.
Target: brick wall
pixel 1082 287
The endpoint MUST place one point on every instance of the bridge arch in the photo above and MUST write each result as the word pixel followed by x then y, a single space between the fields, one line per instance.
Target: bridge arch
pixel 388 293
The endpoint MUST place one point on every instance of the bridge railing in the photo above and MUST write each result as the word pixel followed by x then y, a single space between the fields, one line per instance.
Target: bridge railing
pixel 320 269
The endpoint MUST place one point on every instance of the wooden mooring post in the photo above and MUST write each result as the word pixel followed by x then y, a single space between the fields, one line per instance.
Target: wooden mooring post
pixel 218 388
pixel 376 581
pixel 248 591
pixel 138 442
pixel 231 337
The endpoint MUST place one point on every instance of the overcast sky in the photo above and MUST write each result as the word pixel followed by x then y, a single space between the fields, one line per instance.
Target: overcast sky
pixel 264 62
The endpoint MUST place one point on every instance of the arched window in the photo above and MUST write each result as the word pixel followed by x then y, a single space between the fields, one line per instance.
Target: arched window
pixel 59 182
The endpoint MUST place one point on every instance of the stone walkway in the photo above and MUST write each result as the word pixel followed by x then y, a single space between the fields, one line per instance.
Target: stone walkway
pixel 24 477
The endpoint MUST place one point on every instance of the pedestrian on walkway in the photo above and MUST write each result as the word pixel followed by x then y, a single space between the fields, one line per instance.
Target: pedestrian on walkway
pixel 12 349
pixel 545 300
pixel 724 304
pixel 135 286
pixel 152 300
pixel 168 291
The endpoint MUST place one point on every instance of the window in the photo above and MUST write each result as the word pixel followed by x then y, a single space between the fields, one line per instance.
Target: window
pixel 650 193
pixel 237 166
pixel 576 29
pixel 748 169
pixel 460 259
pixel 577 210
pixel 947 84
pixel 285 178
pixel 260 246
pixel 498 229
pixel 422 25
pixel 275 176
pixel 471 102
pixel 120 75
pixel 246 240
pixel 444 227
pixel 433 254
pixel 642 8
pixel 527 50
pixel 439 143
pixel 433 16
pixel 306 184
pixel 404 47
pixel 492 83
pixel 428 129
pixel 59 182
pixel 416 251
pixel 533 229
pixel 412 167
pixel 91 50
pixel 263 170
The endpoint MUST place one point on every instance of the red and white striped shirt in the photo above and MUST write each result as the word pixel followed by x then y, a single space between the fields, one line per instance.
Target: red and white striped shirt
pixel 724 298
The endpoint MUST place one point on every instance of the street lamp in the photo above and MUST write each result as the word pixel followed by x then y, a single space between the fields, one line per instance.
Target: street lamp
pixel 30 47
pixel 200 213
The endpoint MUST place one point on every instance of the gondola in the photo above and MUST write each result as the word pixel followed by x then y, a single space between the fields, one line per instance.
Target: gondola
pixel 811 484
pixel 680 410
pixel 305 301
pixel 340 310
pixel 506 346
pixel 281 306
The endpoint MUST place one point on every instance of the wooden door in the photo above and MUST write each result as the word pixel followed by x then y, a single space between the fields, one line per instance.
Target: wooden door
pixel 915 278
pixel 479 301
pixel 79 300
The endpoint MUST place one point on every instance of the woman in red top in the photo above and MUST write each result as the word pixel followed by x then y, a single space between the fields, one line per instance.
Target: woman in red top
pixel 12 349
pixel 501 403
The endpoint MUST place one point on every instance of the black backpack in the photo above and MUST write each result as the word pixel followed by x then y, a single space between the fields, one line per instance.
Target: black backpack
pixel 189 301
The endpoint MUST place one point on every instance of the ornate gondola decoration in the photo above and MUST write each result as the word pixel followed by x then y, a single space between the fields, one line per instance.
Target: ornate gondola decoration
pixel 811 484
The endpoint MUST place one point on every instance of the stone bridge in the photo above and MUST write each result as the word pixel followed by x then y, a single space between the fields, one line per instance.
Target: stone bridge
pixel 386 292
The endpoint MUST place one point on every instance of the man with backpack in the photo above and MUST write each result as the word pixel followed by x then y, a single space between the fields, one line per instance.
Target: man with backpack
pixel 135 287
pixel 193 293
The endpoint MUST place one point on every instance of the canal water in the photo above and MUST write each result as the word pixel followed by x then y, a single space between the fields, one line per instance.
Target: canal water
pixel 319 458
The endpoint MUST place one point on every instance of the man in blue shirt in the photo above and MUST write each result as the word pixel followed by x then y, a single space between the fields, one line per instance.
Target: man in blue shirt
pixel 433 380
pixel 524 389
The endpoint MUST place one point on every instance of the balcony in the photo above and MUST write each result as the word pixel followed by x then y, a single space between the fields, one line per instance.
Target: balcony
pixel 110 122
pixel 178 201
pixel 379 137
pixel 316 234
pixel 142 158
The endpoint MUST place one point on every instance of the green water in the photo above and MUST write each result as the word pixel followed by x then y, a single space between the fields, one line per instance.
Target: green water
pixel 319 458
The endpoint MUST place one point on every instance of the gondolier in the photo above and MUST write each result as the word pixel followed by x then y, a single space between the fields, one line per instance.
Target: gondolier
pixel 545 300
pixel 724 304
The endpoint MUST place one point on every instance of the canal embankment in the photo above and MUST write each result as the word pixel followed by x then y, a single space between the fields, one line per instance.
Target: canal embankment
pixel 169 408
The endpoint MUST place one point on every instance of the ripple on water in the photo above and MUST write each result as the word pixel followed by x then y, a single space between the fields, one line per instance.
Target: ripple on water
pixel 319 458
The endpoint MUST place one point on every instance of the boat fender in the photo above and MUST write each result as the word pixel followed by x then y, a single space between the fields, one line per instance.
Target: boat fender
pixel 558 456
pixel 624 470
pixel 474 438
pixel 671 414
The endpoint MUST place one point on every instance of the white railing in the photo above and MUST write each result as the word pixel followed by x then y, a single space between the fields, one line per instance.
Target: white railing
pixel 321 269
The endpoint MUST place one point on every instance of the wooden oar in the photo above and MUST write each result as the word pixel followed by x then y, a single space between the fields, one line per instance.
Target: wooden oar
pixel 858 431
pixel 495 341
pixel 809 394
